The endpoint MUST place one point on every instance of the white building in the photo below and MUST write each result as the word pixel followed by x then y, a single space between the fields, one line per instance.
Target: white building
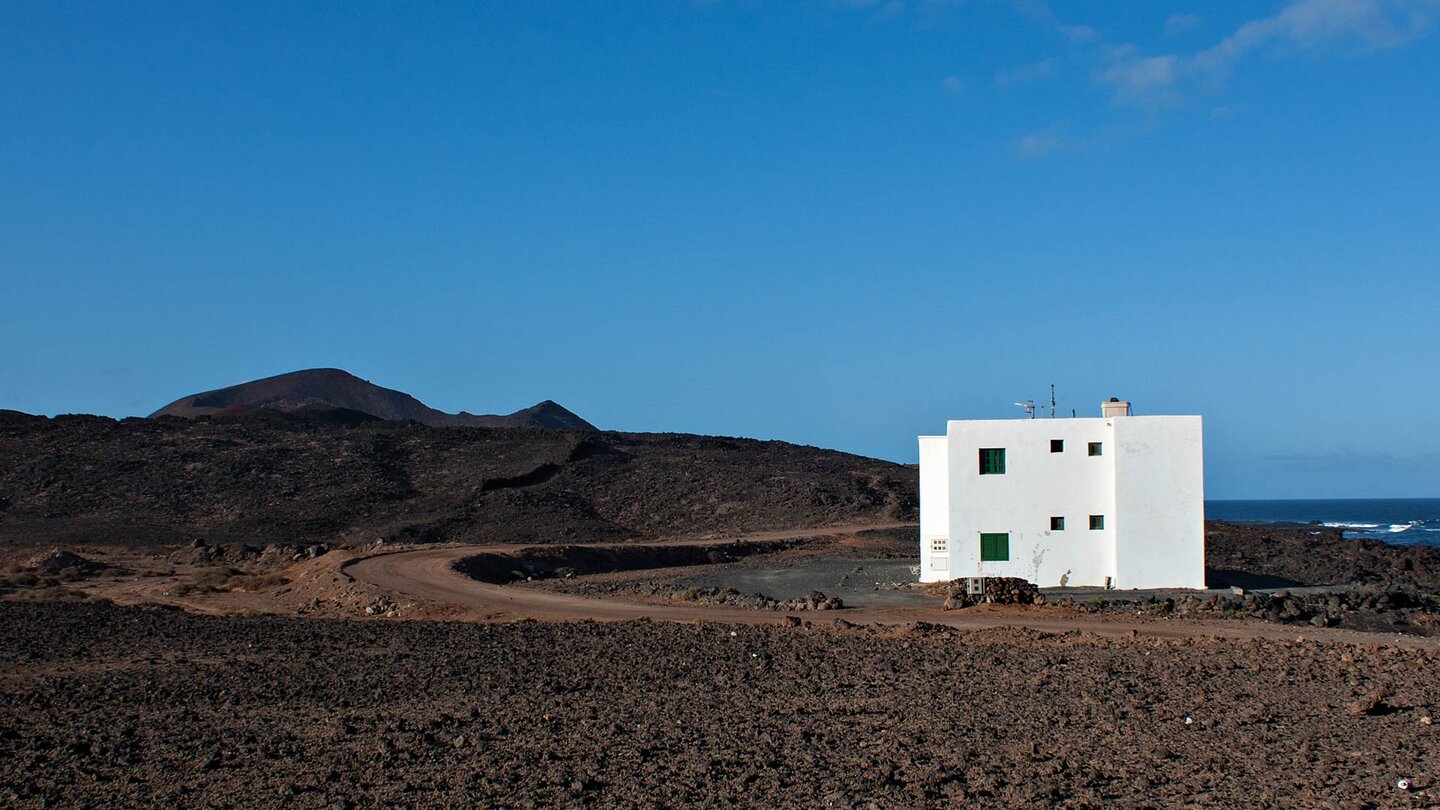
pixel 1116 501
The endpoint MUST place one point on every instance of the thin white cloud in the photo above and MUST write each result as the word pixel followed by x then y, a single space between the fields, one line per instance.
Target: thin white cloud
pixel 1180 23
pixel 1351 458
pixel 1302 25
pixel 1143 80
pixel 1037 144
pixel 1118 52
pixel 1026 73
pixel 952 86
pixel 1040 12
pixel 1317 23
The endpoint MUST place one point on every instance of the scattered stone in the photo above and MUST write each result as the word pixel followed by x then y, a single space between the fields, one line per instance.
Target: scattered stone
pixel 1371 703
pixel 382 606
pixel 998 590
pixel 806 715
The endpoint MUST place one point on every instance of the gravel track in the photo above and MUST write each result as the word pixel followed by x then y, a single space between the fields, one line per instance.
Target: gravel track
pixel 428 575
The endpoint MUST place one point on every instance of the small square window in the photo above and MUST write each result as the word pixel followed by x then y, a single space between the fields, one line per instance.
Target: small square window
pixel 1057 524
pixel 1057 445
pixel 1097 522
pixel 1095 449
pixel 939 545
pixel 992 461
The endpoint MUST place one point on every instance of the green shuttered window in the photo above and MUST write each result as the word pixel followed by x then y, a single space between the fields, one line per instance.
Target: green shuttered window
pixel 994 547
pixel 992 461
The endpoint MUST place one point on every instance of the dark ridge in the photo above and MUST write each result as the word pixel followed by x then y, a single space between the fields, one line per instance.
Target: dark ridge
pixel 336 389
pixel 539 475
pixel 304 415
pixel 551 561
pixel 257 476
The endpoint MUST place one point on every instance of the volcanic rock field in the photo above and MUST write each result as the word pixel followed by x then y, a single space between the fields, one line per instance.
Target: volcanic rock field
pixel 288 682
pixel 275 477
pixel 107 706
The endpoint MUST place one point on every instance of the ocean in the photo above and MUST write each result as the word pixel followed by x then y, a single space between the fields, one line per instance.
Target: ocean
pixel 1402 521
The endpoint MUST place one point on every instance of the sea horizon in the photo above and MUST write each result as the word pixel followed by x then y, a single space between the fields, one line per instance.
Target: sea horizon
pixel 1401 521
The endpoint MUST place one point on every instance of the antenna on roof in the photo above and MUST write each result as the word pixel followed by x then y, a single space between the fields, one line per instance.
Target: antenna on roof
pixel 1052 400
pixel 1029 406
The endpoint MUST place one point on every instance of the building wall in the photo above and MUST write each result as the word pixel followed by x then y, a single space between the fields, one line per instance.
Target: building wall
pixel 1160 502
pixel 1147 483
pixel 1037 484
pixel 934 511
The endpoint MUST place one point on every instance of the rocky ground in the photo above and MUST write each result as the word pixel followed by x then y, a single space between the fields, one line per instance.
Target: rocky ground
pixel 107 705
pixel 1370 609
pixel 111 706
pixel 668 581
pixel 1370 586
pixel 276 478
pixel 1256 556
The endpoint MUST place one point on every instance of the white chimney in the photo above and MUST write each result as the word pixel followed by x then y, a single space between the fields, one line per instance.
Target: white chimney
pixel 1114 408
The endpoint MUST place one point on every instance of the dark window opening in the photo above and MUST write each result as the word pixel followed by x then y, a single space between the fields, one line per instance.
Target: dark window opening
pixel 1095 448
pixel 1057 524
pixel 1097 522
pixel 992 461
pixel 1057 445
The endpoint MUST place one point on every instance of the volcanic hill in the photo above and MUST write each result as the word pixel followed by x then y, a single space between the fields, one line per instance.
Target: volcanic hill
pixel 264 476
pixel 334 388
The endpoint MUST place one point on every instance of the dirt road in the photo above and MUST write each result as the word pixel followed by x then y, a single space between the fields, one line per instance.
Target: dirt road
pixel 427 575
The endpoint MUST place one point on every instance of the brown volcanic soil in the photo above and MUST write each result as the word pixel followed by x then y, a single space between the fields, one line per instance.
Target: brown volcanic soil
pixel 274 477
pixel 108 706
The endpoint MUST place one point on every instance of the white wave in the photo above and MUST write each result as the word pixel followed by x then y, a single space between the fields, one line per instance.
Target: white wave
pixel 1396 528
pixel 1342 525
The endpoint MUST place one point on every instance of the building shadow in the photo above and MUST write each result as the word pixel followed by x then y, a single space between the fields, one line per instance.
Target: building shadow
pixel 1227 578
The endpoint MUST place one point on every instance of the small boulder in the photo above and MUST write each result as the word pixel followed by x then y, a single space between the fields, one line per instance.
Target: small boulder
pixel 1371 703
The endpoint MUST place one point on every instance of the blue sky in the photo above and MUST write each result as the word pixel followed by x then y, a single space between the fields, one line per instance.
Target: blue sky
pixel 835 223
